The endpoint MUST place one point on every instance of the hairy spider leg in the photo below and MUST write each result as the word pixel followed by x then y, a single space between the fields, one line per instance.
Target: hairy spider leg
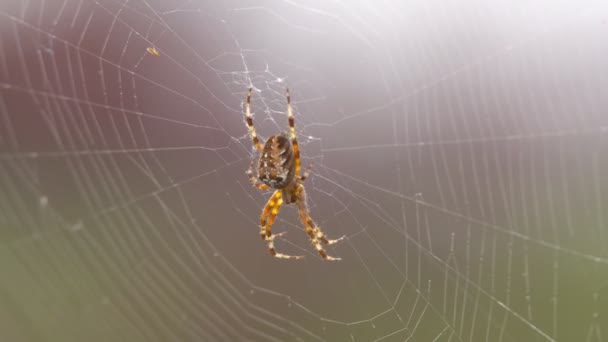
pixel 254 137
pixel 312 230
pixel 306 172
pixel 292 130
pixel 254 181
pixel 274 211
pixel 267 219
pixel 301 195
pixel 272 202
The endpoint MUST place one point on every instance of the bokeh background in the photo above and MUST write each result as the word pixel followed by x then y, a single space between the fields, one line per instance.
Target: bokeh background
pixel 459 146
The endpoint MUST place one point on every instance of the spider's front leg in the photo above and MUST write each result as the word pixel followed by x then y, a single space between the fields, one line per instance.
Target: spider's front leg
pixel 292 132
pixel 267 219
pixel 249 119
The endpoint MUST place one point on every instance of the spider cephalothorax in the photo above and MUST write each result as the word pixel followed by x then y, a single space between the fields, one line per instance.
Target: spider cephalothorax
pixel 279 168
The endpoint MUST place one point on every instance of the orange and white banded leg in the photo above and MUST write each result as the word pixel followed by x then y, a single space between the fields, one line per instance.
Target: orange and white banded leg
pixel 266 225
pixel 310 230
pixel 317 245
pixel 249 119
pixel 306 172
pixel 322 237
pixel 307 220
pixel 292 130
pixel 272 202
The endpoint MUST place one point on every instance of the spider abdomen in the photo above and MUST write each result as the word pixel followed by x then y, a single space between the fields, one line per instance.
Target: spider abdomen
pixel 276 167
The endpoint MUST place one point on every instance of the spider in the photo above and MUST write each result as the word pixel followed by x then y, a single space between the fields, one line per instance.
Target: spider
pixel 279 169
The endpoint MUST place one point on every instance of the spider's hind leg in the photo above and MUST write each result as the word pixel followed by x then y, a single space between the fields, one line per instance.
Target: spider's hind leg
pixel 322 237
pixel 314 233
pixel 270 205
pixel 317 245
pixel 267 219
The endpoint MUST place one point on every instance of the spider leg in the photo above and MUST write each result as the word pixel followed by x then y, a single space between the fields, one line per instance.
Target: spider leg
pixel 292 130
pixel 306 172
pixel 254 181
pixel 312 230
pixel 267 219
pixel 322 237
pixel 272 202
pixel 249 118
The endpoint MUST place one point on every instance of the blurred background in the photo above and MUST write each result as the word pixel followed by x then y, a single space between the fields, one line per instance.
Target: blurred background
pixel 461 148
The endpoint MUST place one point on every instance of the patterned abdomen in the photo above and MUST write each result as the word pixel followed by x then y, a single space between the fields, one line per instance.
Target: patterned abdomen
pixel 277 165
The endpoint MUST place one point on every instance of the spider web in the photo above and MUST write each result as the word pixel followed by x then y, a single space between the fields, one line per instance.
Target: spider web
pixel 460 148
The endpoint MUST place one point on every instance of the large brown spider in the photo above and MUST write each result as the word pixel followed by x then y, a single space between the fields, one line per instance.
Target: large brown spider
pixel 279 168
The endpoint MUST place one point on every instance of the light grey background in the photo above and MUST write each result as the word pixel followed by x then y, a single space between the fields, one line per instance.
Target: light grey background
pixel 459 146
